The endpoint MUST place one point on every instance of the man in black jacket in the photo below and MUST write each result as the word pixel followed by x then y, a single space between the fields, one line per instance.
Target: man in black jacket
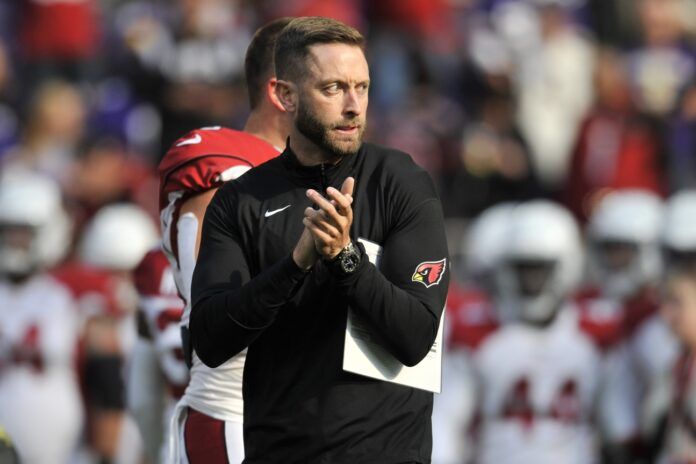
pixel 281 262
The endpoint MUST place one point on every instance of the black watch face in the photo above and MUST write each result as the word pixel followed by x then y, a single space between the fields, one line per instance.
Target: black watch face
pixel 350 262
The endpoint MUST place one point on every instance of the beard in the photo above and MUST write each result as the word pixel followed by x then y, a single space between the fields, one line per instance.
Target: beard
pixel 322 135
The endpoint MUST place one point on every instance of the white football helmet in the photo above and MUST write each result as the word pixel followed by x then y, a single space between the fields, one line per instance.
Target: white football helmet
pixel 484 243
pixel 543 261
pixel 679 228
pixel 623 237
pixel 118 237
pixel 33 202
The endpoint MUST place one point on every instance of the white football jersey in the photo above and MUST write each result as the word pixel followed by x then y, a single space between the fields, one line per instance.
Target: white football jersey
pixel 199 161
pixel 214 392
pixel 40 403
pixel 653 350
pixel 643 365
pixel 538 391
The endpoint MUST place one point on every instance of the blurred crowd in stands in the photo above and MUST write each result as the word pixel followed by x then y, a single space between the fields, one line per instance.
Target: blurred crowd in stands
pixel 502 101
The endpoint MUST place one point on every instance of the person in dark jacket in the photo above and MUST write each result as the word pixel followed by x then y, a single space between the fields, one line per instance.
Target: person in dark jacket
pixel 282 263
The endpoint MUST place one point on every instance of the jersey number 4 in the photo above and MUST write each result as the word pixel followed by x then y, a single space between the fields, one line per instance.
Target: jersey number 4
pixel 564 407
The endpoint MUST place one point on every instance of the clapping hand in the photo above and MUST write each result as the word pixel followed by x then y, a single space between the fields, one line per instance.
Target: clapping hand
pixel 330 224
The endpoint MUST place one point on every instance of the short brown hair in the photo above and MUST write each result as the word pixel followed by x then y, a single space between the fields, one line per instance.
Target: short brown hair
pixel 292 45
pixel 258 62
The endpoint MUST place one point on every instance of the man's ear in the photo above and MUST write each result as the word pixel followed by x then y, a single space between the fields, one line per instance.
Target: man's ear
pixel 271 88
pixel 285 94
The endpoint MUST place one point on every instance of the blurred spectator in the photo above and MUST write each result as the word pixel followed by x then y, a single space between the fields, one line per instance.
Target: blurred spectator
pixel 616 148
pixel 9 120
pixel 55 125
pixel 616 22
pixel 426 125
pixel 661 67
pixel 105 172
pixel 116 112
pixel 555 90
pixel 681 161
pixel 187 61
pixel 494 161
pixel 347 11
pixel 59 38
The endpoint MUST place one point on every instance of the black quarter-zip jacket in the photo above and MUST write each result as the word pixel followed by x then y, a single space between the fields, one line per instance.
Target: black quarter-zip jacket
pixel 299 404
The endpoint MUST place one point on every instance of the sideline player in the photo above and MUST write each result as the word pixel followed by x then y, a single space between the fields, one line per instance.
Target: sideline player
pixel 157 353
pixel 40 404
pixel 626 264
pixel 541 372
pixel 470 316
pixel 111 245
pixel 190 173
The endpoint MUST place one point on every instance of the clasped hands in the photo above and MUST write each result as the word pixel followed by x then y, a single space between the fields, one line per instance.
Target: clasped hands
pixel 327 228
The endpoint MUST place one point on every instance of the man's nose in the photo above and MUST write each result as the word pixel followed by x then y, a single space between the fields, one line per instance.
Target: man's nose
pixel 351 104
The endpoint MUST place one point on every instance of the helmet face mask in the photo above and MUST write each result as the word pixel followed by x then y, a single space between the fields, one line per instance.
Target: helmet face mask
pixel 542 263
pixel 18 255
pixel 533 276
pixel 34 227
pixel 617 256
pixel 620 267
pixel 532 288
pixel 623 243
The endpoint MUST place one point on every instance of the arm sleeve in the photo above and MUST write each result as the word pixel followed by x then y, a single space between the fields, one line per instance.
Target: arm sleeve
pixel 231 309
pixel 405 311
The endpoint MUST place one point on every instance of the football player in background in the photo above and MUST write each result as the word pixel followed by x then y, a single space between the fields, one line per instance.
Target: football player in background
pixel 112 245
pixel 626 265
pixel 470 316
pixel 208 420
pixel 540 374
pixel 159 351
pixel 40 404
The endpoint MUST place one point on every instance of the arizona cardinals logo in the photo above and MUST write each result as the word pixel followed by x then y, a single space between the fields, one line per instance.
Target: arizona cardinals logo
pixel 430 273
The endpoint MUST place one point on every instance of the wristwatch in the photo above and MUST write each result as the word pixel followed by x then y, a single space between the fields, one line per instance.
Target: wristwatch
pixel 347 260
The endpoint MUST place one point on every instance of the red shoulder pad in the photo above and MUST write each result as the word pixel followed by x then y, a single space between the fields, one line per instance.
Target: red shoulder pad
pixel 587 293
pixel 601 319
pixel 153 275
pixel 639 309
pixel 471 317
pixel 95 290
pixel 207 157
pixel 160 302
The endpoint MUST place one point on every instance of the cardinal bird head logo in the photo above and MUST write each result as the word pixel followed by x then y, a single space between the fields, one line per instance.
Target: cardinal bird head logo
pixel 430 273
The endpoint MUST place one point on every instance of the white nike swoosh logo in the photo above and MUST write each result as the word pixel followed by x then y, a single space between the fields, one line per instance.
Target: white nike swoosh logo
pixel 271 213
pixel 192 141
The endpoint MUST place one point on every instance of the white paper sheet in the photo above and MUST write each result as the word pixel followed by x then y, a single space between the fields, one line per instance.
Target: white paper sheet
pixel 362 355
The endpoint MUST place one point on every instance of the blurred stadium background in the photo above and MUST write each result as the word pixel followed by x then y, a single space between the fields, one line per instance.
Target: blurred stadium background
pixel 499 100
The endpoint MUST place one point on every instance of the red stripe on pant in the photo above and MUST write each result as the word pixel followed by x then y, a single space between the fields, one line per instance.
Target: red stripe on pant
pixel 204 438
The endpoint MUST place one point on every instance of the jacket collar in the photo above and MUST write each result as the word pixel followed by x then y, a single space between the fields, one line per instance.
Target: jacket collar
pixel 324 174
